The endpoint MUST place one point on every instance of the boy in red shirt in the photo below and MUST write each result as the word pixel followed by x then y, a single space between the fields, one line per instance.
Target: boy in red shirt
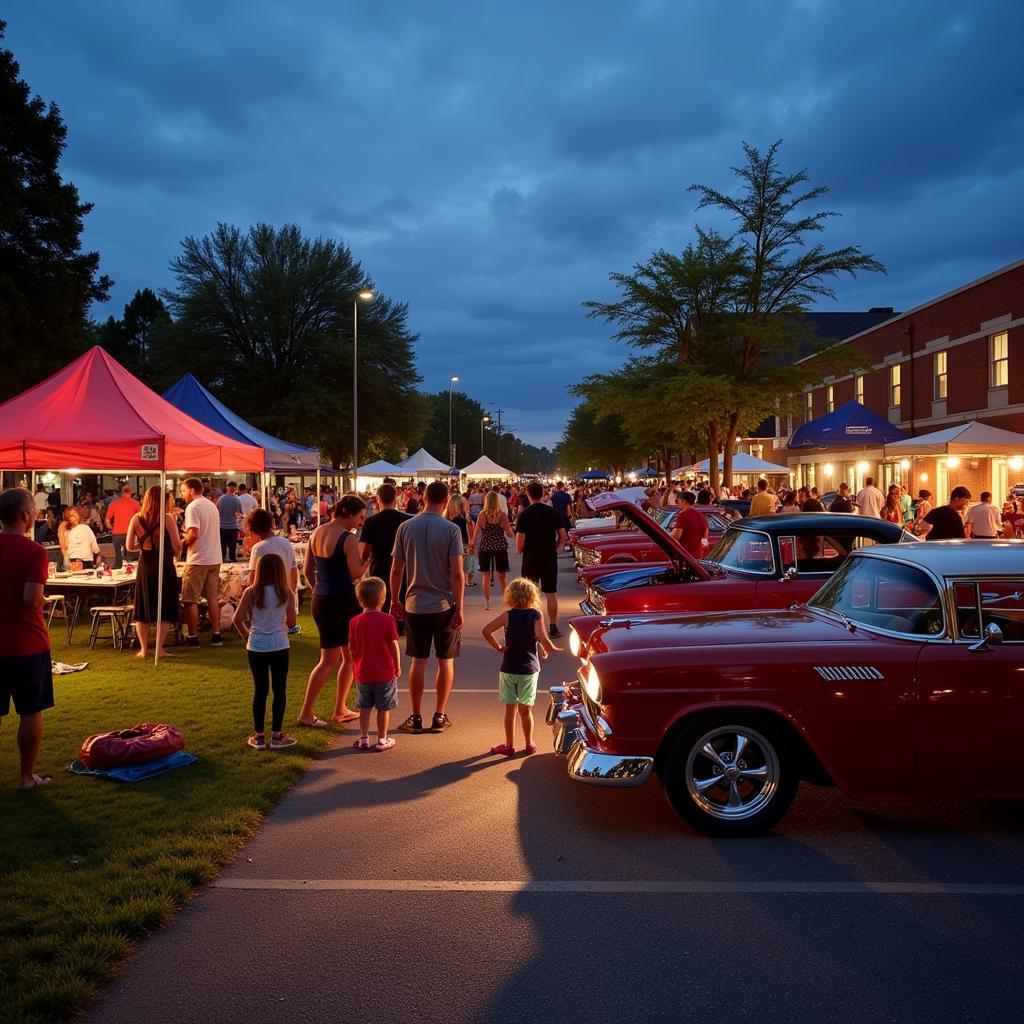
pixel 25 667
pixel 377 659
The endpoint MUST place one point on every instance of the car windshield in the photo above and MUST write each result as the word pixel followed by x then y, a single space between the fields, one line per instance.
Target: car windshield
pixel 745 551
pixel 887 595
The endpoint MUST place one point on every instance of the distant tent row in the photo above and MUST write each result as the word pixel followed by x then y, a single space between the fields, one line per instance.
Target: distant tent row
pixel 422 463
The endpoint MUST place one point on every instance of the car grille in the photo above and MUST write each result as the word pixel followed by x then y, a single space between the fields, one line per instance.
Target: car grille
pixel 587 557
pixel 596 601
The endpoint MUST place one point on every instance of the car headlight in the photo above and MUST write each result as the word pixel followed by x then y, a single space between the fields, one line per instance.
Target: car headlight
pixel 575 644
pixel 593 685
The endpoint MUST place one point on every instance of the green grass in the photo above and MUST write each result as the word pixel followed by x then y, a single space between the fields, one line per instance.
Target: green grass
pixel 88 866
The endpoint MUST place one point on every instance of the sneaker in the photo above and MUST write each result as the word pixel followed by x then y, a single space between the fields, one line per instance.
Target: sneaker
pixel 282 741
pixel 554 632
pixel 414 723
pixel 190 641
pixel 440 722
pixel 215 640
pixel 295 630
pixel 257 741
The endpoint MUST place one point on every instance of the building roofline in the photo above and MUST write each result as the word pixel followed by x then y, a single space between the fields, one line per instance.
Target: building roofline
pixel 924 305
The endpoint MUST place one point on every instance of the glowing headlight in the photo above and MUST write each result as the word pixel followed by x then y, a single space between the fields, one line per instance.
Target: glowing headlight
pixel 593 685
pixel 575 644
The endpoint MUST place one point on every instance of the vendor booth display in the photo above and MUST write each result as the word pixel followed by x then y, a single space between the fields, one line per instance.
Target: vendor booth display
pixel 852 425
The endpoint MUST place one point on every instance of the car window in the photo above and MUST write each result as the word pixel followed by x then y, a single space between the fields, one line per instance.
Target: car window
pixel 891 596
pixel 745 551
pixel 822 553
pixel 717 523
pixel 1001 604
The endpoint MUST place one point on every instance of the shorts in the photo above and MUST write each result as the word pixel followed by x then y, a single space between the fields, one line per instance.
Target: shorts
pixel 382 696
pixel 469 564
pixel 544 573
pixel 426 628
pixel 496 561
pixel 28 679
pixel 517 689
pixel 332 616
pixel 200 581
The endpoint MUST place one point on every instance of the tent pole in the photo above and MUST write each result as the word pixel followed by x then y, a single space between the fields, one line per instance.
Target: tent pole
pixel 316 497
pixel 160 567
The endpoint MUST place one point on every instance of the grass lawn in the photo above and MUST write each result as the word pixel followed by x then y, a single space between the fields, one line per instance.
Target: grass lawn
pixel 89 866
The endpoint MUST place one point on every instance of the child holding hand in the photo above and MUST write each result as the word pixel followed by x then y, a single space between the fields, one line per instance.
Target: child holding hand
pixel 526 641
pixel 377 660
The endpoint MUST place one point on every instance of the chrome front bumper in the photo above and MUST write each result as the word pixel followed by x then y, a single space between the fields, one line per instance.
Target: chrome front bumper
pixel 568 717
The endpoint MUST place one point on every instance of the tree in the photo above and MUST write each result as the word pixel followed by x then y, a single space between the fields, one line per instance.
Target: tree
pixel 129 340
pixel 265 320
pixel 46 282
pixel 466 416
pixel 594 440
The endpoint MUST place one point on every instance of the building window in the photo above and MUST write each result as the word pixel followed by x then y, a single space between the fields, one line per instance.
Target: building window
pixel 858 388
pixel 830 399
pixel 999 361
pixel 940 376
pixel 809 410
pixel 894 385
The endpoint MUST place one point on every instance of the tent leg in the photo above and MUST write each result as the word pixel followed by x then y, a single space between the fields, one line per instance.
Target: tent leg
pixel 160 568
pixel 316 497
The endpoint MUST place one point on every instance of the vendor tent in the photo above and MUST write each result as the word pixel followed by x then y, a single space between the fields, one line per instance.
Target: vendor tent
pixel 380 468
pixel 486 467
pixel 594 474
pixel 964 439
pixel 852 425
pixel 743 463
pixel 645 472
pixel 191 397
pixel 423 464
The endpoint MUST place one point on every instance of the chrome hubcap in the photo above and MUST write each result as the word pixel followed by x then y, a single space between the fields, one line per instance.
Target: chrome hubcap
pixel 732 772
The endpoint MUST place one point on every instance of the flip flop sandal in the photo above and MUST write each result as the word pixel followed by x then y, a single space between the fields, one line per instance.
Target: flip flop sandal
pixel 317 723
pixel 352 716
pixel 37 781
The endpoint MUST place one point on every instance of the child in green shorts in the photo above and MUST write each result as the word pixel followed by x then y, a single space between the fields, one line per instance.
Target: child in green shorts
pixel 526 642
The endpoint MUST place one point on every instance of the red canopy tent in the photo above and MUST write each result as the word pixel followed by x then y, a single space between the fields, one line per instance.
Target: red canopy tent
pixel 95 415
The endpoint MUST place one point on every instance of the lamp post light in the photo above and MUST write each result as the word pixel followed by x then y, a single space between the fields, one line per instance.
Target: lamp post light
pixel 451 459
pixel 483 420
pixel 366 295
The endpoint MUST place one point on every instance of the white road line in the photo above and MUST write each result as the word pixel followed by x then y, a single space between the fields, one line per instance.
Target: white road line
pixel 691 888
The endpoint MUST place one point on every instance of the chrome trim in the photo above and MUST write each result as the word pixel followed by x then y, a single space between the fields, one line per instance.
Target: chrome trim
pixel 604 730
pixel 556 703
pixel 568 730
pixel 594 768
pixel 587 608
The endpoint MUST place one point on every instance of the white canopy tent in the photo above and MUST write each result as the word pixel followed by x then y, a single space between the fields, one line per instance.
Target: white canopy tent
pixel 964 439
pixel 741 463
pixel 488 468
pixel 380 468
pixel 423 464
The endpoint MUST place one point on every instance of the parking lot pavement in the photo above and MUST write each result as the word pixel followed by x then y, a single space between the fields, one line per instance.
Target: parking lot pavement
pixel 437 882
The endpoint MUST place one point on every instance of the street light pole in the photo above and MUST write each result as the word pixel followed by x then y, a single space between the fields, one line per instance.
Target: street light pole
pixel 450 383
pixel 483 420
pixel 365 294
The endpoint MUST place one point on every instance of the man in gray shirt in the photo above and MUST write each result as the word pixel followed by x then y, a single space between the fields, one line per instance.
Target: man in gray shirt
pixel 428 550
pixel 230 509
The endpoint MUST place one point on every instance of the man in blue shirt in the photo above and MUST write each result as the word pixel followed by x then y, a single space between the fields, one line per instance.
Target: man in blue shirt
pixel 561 502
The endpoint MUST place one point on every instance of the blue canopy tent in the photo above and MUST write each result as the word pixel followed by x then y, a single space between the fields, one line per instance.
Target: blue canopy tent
pixel 850 426
pixel 594 474
pixel 646 471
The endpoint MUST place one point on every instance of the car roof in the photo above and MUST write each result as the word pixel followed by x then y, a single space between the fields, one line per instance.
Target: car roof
pixel 821 522
pixel 957 557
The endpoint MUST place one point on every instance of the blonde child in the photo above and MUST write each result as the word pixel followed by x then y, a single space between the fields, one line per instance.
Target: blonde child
pixel 526 641
pixel 377 659
pixel 264 616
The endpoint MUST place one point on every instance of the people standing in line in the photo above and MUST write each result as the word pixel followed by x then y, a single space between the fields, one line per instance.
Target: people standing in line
pixel 526 642
pixel 691 526
pixel 201 577
pixel 246 501
pixel 539 537
pixel 26 671
pixel 842 502
pixel 143 536
pixel 947 521
pixel 230 509
pixel 377 661
pixel 892 509
pixel 428 549
pixel 259 525
pixel 79 541
pixel 332 568
pixel 377 539
pixel 870 499
pixel 455 512
pixel 264 615
pixel 812 503
pixel 118 515
pixel 764 502
pixel 490 542
pixel 984 521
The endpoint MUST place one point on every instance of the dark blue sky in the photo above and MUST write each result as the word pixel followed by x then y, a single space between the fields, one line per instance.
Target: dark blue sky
pixel 491 163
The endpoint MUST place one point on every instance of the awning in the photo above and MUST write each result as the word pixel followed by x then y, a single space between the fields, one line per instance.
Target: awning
pixel 423 463
pixel 486 467
pixel 742 463
pixel 964 439
pixel 380 468
pixel 852 425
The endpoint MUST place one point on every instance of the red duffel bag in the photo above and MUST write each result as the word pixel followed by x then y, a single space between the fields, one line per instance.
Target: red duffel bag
pixel 138 745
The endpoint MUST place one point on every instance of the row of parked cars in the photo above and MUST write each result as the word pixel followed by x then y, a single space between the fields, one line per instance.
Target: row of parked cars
pixel 821 647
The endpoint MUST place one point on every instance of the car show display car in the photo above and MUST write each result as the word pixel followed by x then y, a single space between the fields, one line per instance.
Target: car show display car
pixel 900 678
pixel 767 561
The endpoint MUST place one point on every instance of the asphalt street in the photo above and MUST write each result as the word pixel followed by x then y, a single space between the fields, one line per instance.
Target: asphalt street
pixel 436 882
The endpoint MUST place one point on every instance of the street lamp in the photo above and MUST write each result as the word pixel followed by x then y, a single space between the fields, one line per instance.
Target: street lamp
pixel 483 420
pixel 366 295
pixel 451 458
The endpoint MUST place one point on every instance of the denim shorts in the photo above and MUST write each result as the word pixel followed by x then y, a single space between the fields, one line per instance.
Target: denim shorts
pixel 382 696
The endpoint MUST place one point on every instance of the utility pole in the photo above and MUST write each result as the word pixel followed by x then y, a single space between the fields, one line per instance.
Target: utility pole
pixel 497 416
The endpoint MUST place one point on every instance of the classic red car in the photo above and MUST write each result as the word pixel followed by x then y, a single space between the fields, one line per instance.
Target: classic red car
pixel 883 684
pixel 768 561
pixel 640 534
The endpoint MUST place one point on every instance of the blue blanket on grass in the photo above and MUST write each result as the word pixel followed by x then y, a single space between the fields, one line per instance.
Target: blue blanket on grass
pixel 137 772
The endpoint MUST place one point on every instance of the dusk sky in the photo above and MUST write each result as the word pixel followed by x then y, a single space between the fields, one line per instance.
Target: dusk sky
pixel 492 163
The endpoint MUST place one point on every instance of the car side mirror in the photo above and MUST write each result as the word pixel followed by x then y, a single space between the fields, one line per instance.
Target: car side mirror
pixel 992 637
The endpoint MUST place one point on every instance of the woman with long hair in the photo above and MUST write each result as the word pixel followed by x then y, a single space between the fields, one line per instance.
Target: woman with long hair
pixel 332 568
pixel 892 510
pixel 491 538
pixel 455 512
pixel 144 536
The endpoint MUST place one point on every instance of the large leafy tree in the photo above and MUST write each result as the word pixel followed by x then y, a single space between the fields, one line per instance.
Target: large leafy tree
pixel 130 339
pixel 593 440
pixel 265 319
pixel 46 282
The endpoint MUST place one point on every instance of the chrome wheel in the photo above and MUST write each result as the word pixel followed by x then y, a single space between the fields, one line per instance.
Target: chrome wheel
pixel 732 773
